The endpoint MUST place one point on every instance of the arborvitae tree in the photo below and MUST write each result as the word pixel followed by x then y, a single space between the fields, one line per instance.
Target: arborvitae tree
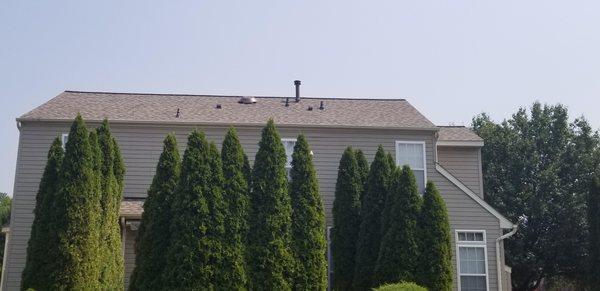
pixel 153 234
pixel 309 244
pixel 42 245
pixel 270 219
pixel 247 170
pixel 594 235
pixel 112 267
pixel 388 201
pixel 218 208
pixel 346 221
pixel 370 235
pixel 195 252
pixel 77 215
pixel 363 167
pixel 434 269
pixel 235 193
pixel 398 264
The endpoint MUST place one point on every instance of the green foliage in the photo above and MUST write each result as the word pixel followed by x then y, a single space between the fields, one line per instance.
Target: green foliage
pixel 112 265
pixel 434 267
pixel 537 168
pixel 5 204
pixel 77 216
pixel 399 248
pixel 153 235
pixel 594 235
pixel 308 221
pixel 235 193
pixel 271 259
pixel 42 245
pixel 370 235
pixel 363 169
pixel 195 252
pixel 346 220
pixel 401 287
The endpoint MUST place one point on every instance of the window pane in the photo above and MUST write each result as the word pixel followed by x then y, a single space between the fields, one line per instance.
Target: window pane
pixel 462 236
pixel 410 154
pixel 478 236
pixel 472 283
pixel 420 177
pixel 472 260
pixel 289 150
pixel 470 236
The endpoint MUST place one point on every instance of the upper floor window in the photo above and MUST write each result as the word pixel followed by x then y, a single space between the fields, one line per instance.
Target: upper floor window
pixel 412 153
pixel 64 139
pixel 472 260
pixel 288 144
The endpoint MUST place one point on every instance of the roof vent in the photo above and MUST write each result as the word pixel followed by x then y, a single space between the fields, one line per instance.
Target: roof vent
pixel 247 100
pixel 297 84
pixel 178 113
pixel 322 106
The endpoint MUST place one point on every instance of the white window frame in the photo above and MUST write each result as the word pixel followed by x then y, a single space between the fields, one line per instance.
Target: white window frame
pixel 398 142
pixel 288 140
pixel 63 139
pixel 471 244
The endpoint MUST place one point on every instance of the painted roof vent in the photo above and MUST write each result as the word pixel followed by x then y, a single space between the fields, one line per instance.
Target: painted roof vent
pixel 247 100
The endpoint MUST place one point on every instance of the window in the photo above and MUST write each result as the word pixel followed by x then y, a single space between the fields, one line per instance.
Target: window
pixel 412 153
pixel 288 144
pixel 64 139
pixel 472 260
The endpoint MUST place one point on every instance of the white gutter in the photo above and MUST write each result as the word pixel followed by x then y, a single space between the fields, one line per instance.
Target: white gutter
pixel 498 259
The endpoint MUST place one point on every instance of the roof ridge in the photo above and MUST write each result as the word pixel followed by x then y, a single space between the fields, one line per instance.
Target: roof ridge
pixel 230 96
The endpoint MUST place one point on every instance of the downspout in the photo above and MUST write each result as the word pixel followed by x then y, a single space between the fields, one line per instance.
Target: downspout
pixel 498 262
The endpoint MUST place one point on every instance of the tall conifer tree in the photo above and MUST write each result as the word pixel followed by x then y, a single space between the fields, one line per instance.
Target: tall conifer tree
pixel 235 193
pixel 308 221
pixel 77 214
pixel 435 260
pixel 42 245
pixel 370 235
pixel 154 233
pixel 195 251
pixel 270 220
pixel 112 267
pixel 346 221
pixel 399 248
pixel 363 169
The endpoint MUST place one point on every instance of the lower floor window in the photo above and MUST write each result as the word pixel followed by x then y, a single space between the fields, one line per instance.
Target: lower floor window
pixel 472 261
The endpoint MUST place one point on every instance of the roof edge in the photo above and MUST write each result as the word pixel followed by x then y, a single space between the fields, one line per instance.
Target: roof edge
pixel 154 122
pixel 504 222
pixel 236 96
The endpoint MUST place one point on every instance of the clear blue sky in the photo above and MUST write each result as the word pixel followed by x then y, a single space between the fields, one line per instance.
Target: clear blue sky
pixel 450 59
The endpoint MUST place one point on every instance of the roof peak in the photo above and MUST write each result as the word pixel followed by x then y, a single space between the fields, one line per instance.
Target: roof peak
pixel 227 96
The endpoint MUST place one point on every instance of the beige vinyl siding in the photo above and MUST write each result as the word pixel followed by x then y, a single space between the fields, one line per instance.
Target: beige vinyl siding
pixel 141 145
pixel 464 163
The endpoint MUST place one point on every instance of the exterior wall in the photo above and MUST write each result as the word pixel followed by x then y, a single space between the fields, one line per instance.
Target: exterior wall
pixel 464 163
pixel 141 146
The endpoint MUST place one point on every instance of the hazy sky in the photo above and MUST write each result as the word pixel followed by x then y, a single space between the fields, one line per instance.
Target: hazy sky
pixel 450 59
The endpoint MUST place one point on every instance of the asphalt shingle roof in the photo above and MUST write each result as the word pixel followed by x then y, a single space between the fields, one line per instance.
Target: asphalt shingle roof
pixel 202 109
pixel 457 133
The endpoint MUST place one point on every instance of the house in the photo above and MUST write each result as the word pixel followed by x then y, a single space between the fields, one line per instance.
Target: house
pixel 448 156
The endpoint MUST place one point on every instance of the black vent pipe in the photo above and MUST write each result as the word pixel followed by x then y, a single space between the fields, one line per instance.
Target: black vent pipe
pixel 297 84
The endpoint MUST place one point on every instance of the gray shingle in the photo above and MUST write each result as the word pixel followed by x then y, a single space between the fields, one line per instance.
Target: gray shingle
pixel 201 109
pixel 457 133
